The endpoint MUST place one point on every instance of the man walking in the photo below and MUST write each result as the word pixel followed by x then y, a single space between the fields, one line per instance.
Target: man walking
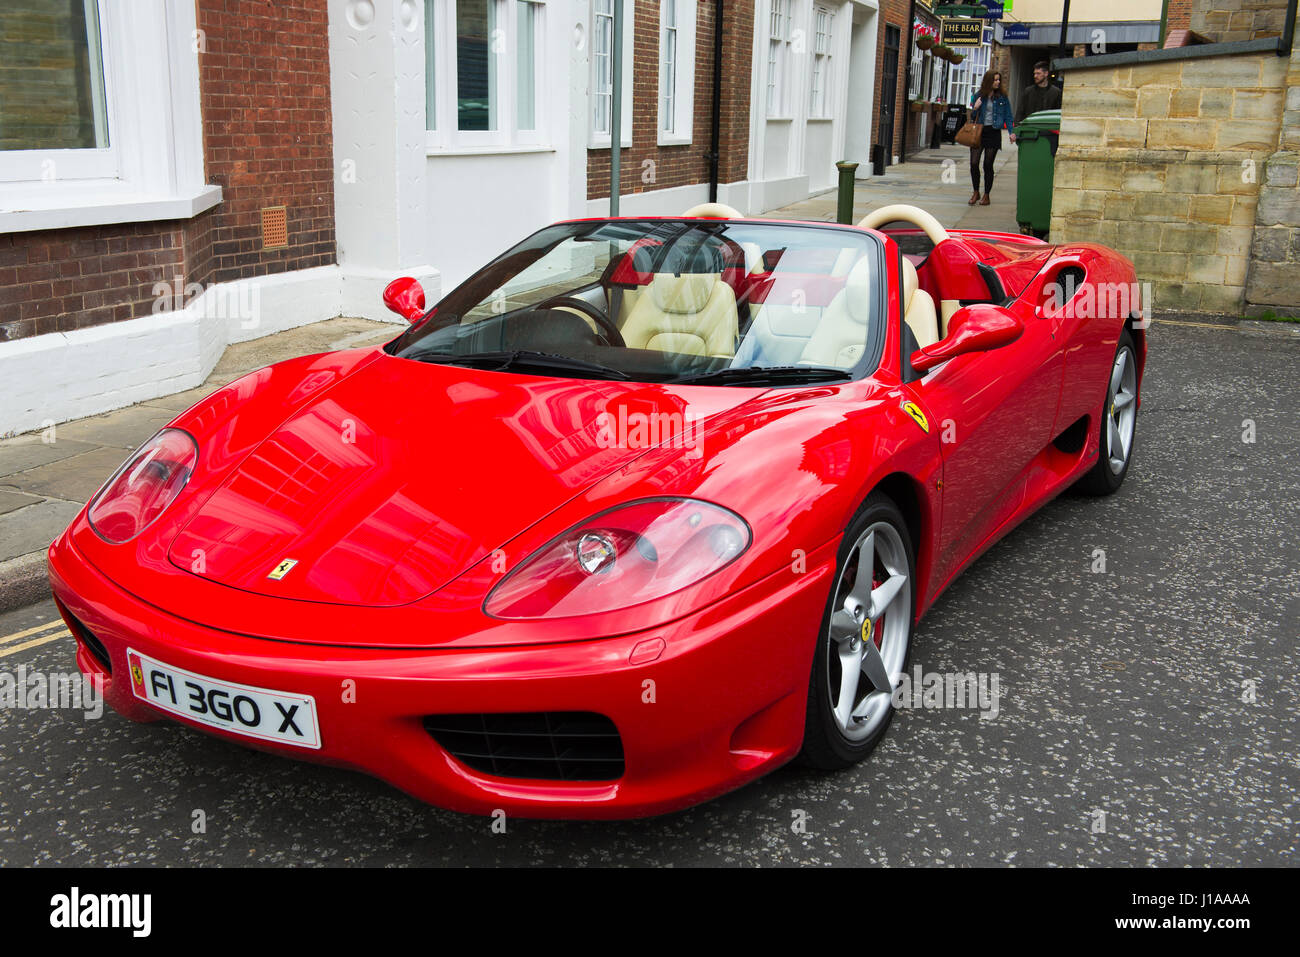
pixel 1041 96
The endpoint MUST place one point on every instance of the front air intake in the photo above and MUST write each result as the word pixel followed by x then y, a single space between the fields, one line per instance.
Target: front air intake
pixel 547 745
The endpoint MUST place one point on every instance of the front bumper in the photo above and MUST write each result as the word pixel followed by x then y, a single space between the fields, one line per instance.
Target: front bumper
pixel 722 704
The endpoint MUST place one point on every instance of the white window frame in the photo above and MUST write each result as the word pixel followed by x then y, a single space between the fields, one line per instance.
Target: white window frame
pixel 442 82
pixel 821 102
pixel 776 95
pixel 599 139
pixel 961 80
pixel 915 72
pixel 683 81
pixel 152 168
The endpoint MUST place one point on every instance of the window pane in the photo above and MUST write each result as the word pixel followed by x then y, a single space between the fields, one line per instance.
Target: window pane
pixel 603 81
pixel 526 66
pixel 668 67
pixel 430 70
pixel 51 76
pixel 477 45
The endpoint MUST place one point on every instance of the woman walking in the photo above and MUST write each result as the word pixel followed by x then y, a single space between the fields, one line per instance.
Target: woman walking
pixel 990 106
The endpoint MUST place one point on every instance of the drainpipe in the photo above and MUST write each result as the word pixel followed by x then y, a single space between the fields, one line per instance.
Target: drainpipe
pixel 1065 23
pixel 1288 30
pixel 715 136
pixel 907 81
pixel 616 107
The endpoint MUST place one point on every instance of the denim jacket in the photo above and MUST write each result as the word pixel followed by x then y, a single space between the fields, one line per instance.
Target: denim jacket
pixel 995 113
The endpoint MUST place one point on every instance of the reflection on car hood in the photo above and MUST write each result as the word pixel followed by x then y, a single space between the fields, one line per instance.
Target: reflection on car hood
pixel 404 474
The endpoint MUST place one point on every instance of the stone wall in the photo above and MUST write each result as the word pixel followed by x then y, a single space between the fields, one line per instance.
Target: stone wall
pixel 1188 168
pixel 1224 21
pixel 1274 280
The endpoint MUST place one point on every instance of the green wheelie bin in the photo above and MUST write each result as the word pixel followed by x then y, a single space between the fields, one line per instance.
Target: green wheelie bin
pixel 1036 137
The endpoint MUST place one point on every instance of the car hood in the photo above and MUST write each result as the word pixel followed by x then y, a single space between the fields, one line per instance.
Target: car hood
pixel 399 477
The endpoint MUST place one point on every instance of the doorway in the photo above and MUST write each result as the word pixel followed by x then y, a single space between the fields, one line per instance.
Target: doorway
pixel 889 89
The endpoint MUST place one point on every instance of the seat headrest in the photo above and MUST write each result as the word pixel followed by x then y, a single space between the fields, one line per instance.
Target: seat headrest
pixel 713 211
pixel 910 282
pixel 859 291
pixel 706 257
pixel 684 294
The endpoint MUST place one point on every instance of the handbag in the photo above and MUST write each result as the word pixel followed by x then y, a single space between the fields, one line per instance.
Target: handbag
pixel 972 134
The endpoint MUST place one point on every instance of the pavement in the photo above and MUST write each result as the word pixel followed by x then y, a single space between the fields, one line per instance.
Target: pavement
pixel 1144 646
pixel 937 180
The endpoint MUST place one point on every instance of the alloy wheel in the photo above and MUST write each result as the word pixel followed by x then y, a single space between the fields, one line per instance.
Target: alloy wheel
pixel 1121 410
pixel 869 632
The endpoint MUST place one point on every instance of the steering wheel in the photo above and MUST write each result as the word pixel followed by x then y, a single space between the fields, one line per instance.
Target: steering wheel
pixel 612 335
pixel 907 214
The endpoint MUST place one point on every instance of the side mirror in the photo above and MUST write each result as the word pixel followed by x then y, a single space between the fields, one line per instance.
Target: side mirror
pixel 405 297
pixel 975 328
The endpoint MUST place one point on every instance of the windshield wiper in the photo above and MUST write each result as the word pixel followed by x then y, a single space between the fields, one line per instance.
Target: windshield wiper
pixel 766 375
pixel 522 360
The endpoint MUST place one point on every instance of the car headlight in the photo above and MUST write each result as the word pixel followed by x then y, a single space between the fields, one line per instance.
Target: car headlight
pixel 628 555
pixel 142 489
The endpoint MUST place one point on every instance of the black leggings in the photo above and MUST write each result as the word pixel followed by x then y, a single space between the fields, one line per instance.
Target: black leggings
pixel 989 146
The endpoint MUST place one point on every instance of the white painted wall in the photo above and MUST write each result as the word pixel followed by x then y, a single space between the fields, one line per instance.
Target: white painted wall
pixel 859 86
pixel 381 204
pixel 793 156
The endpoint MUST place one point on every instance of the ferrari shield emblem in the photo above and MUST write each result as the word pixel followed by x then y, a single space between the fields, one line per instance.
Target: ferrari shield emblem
pixel 912 409
pixel 137 675
pixel 282 569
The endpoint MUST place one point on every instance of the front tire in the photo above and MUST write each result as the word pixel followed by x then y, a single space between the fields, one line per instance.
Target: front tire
pixel 865 639
pixel 1118 425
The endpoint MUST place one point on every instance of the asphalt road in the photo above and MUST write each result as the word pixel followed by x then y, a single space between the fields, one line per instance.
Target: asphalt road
pixel 1157 699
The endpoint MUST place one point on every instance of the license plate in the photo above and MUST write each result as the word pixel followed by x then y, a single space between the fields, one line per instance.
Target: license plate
pixel 241 709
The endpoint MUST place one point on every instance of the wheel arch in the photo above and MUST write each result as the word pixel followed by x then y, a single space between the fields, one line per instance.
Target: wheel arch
pixel 912 500
pixel 1138 330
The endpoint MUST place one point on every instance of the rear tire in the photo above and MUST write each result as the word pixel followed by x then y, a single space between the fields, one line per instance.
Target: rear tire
pixel 1117 426
pixel 850 689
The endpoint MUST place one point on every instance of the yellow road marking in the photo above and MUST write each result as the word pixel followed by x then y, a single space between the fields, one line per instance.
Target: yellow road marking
pixel 1198 325
pixel 56 623
pixel 35 642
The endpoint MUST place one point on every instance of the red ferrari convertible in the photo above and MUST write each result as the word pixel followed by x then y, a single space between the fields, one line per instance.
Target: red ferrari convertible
pixel 639 512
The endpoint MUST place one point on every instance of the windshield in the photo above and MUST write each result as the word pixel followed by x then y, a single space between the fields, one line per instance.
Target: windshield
pixel 711 301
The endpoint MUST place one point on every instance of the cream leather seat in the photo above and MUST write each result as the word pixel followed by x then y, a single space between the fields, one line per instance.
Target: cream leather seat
pixel 946 308
pixel 781 326
pixel 841 337
pixel 692 314
pixel 918 308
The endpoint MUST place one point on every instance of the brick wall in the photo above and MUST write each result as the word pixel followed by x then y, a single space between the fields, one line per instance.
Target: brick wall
pixel 1178 16
pixel 688 164
pixel 60 280
pixel 265 102
pixel 265 85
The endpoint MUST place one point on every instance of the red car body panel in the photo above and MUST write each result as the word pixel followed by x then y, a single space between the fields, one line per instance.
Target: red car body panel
pixel 396 484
